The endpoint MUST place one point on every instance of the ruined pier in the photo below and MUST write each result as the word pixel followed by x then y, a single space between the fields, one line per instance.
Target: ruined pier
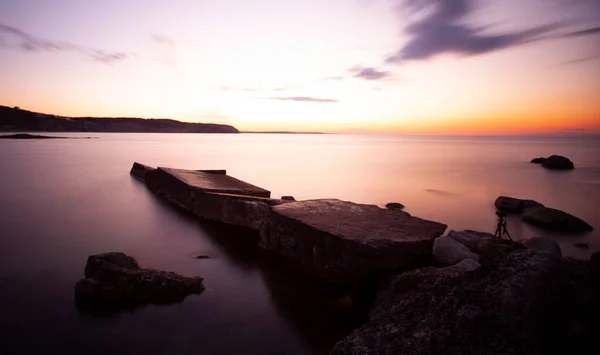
pixel 331 239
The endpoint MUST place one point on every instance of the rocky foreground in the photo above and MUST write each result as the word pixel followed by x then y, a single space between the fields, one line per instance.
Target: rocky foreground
pixel 528 302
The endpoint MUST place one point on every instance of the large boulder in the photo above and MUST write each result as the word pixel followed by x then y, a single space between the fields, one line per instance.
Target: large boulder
pixel 542 243
pixel 514 205
pixel 557 162
pixel 496 309
pixel 447 251
pixel 345 242
pixel 555 220
pixel 115 279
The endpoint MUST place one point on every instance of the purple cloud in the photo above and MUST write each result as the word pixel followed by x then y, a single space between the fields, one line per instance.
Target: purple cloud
pixel 11 37
pixel 369 73
pixel 442 31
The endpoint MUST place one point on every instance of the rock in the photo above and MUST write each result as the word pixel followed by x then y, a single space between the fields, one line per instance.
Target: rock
pixel 467 265
pixel 288 198
pixel 200 256
pixel 471 240
pixel 514 205
pixel 497 309
pixel 556 220
pixel 394 206
pixel 508 204
pixel 447 251
pixel 115 279
pixel 480 234
pixel 345 242
pixel 542 243
pixel 538 160
pixel 557 162
pixel 581 245
pixel 486 245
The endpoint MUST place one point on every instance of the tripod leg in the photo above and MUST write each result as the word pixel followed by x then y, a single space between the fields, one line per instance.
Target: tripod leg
pixel 506 232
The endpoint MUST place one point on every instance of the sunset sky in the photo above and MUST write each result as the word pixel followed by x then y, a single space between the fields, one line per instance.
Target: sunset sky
pixel 414 66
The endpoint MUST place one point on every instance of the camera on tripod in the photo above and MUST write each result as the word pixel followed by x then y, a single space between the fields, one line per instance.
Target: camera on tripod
pixel 501 228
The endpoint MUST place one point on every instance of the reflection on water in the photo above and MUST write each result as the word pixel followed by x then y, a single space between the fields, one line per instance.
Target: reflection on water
pixel 62 200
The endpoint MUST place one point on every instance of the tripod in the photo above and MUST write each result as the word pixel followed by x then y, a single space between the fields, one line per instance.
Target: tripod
pixel 501 228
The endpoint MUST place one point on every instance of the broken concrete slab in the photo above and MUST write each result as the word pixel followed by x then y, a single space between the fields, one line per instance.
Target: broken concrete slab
pixel 342 241
pixel 140 170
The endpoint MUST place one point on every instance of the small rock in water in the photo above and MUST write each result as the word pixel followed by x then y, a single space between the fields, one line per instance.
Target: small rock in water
pixel 394 206
pixel 555 162
pixel 581 245
pixel 288 198
pixel 557 220
pixel 116 280
pixel 200 256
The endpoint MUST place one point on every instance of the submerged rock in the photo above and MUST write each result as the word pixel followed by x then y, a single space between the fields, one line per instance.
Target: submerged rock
pixel 394 206
pixel 114 279
pixel 542 243
pixel 504 308
pixel 556 220
pixel 447 251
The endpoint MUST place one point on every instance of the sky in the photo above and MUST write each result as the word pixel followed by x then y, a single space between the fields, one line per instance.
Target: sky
pixel 381 66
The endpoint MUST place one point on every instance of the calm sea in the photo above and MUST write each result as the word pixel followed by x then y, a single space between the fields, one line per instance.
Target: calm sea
pixel 62 200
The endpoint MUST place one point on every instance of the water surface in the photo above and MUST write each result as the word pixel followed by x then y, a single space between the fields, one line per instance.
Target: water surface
pixel 62 200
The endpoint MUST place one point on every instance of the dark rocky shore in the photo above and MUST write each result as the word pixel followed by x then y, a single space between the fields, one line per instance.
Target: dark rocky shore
pixel 466 292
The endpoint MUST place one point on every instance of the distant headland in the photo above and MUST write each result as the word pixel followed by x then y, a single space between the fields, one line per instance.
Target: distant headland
pixel 13 119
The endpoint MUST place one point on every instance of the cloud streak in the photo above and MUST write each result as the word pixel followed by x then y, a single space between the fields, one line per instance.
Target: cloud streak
pixel 442 31
pixel 369 73
pixel 12 37
pixel 586 32
pixel 304 99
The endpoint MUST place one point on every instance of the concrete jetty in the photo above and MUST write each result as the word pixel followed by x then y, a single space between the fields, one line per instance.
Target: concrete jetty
pixel 329 239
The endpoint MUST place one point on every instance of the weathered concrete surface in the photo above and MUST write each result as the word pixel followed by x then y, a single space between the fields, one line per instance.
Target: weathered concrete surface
pixel 342 241
pixel 140 170
pixel 114 279
pixel 249 212
pixel 186 187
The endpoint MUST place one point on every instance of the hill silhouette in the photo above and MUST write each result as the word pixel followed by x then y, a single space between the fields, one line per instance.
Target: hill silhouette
pixel 14 119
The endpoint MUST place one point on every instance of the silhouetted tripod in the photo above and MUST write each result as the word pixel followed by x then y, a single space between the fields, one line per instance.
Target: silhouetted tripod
pixel 501 228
